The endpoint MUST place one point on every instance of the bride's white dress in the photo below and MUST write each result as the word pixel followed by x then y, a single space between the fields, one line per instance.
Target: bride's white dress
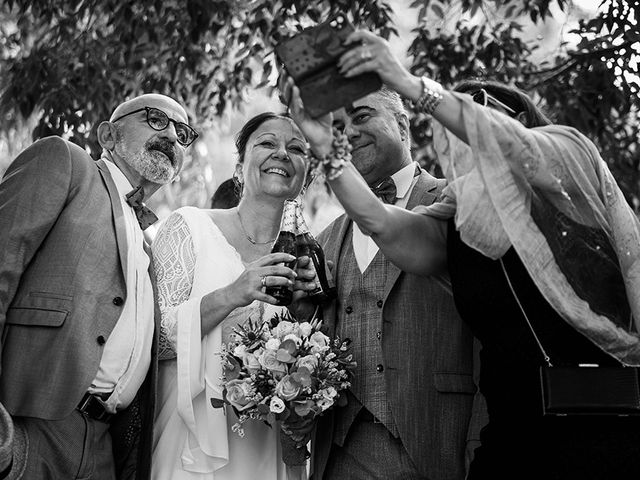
pixel 193 440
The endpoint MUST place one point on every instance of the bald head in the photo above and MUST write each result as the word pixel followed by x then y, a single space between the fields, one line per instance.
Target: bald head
pixel 147 153
pixel 164 103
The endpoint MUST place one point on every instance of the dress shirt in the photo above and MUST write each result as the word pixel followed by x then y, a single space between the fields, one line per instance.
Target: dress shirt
pixel 127 352
pixel 364 247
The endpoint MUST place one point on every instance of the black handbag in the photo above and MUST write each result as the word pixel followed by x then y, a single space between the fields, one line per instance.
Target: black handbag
pixel 585 389
pixel 310 58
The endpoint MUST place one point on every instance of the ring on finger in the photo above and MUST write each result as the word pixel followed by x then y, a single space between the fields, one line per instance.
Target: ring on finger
pixel 263 280
pixel 365 55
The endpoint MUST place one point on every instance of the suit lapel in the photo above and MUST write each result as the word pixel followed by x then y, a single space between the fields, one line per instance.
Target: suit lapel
pixel 424 192
pixel 118 214
pixel 335 239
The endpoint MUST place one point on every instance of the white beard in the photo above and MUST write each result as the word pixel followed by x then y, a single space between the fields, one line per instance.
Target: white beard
pixel 152 165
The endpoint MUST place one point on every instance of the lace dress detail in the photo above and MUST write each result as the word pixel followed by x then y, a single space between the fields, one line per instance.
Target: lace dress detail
pixel 192 439
pixel 174 259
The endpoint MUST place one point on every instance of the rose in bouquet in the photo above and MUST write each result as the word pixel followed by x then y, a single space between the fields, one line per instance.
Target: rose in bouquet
pixel 285 373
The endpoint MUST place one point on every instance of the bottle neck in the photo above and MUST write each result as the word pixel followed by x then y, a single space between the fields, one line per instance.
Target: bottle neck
pixel 300 221
pixel 288 223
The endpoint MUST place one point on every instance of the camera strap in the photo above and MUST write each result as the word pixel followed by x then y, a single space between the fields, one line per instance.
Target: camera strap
pixel 547 359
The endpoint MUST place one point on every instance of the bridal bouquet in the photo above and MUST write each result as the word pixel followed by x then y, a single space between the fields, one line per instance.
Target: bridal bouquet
pixel 286 371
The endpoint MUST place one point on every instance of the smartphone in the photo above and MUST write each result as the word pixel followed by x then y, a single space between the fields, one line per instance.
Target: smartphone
pixel 311 59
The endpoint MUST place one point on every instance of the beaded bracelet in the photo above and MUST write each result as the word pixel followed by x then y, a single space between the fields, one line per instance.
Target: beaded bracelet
pixel 333 163
pixel 430 97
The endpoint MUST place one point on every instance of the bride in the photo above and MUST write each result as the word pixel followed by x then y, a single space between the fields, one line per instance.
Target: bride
pixel 212 266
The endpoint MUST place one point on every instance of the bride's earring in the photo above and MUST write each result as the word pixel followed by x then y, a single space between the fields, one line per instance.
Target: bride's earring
pixel 238 181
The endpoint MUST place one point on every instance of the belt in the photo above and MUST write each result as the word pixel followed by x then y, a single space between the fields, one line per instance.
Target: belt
pixel 93 407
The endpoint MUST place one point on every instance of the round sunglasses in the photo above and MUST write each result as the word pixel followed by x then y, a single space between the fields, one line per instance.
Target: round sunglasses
pixel 483 98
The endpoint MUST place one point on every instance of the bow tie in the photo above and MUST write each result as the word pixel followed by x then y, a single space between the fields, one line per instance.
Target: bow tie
pixel 386 190
pixel 145 216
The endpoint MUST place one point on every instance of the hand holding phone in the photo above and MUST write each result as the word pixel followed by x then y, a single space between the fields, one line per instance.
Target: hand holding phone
pixel 311 57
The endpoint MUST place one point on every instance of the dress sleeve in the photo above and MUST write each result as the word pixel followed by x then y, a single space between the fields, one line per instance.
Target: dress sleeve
pixel 174 258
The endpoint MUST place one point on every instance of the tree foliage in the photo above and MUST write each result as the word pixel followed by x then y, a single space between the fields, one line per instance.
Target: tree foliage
pixel 592 85
pixel 71 61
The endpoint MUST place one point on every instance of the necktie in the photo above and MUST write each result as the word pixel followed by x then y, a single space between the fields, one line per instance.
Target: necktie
pixel 386 190
pixel 144 214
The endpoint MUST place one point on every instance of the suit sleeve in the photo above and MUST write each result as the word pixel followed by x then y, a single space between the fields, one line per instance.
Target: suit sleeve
pixel 33 192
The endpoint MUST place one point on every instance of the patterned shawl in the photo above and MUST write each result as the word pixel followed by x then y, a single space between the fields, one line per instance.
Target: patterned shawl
pixel 547 192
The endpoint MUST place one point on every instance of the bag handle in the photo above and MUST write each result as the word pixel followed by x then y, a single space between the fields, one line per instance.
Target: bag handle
pixel 544 353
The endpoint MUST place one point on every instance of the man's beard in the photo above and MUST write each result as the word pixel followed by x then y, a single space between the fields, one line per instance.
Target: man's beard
pixel 154 161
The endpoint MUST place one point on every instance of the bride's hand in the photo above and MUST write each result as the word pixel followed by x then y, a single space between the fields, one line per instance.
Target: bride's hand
pixel 267 271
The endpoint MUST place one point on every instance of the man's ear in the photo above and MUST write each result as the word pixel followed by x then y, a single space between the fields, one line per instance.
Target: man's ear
pixel 107 135
pixel 403 126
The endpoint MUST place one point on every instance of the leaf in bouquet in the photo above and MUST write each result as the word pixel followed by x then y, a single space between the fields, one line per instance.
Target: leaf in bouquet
pixel 232 368
pixel 284 356
pixel 263 409
pixel 271 418
pixel 316 323
pixel 342 401
pixel 278 317
pixel 217 403
pixel 290 346
pixel 282 416
pixel 303 407
pixel 302 376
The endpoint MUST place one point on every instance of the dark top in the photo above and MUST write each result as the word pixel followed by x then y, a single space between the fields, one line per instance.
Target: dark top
pixel 518 441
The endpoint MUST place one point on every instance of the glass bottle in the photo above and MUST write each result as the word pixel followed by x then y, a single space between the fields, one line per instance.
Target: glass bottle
pixel 307 245
pixel 285 242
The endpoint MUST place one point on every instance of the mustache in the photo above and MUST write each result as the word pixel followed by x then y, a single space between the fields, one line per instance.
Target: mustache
pixel 163 146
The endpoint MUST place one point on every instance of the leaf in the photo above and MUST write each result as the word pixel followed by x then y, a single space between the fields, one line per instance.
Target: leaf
pixel 284 356
pixel 303 407
pixel 437 9
pixel 217 402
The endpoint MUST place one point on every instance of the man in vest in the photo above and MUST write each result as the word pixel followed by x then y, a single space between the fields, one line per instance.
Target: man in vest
pixel 409 411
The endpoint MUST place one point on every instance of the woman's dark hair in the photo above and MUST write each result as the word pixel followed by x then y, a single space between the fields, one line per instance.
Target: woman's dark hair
pixel 226 195
pixel 251 126
pixel 515 98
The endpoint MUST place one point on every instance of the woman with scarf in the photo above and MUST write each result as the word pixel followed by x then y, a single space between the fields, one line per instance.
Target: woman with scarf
pixel 543 256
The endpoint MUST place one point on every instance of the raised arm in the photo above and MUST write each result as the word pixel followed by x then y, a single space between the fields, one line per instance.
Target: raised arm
pixel 414 242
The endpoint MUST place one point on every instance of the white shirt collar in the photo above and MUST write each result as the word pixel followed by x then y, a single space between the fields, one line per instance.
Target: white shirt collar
pixel 403 179
pixel 122 183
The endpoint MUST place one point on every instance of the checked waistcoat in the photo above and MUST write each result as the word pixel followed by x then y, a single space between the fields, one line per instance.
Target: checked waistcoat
pixel 360 319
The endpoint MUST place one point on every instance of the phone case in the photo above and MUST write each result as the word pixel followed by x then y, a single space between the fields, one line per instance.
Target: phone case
pixel 311 57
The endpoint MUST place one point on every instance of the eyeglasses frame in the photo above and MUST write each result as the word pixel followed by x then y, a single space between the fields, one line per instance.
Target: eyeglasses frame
pixel 488 98
pixel 169 120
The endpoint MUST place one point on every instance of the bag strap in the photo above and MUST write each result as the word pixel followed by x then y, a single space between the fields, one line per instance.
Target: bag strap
pixel 544 353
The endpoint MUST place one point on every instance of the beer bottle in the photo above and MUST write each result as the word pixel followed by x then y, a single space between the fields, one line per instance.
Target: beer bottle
pixel 285 242
pixel 307 245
